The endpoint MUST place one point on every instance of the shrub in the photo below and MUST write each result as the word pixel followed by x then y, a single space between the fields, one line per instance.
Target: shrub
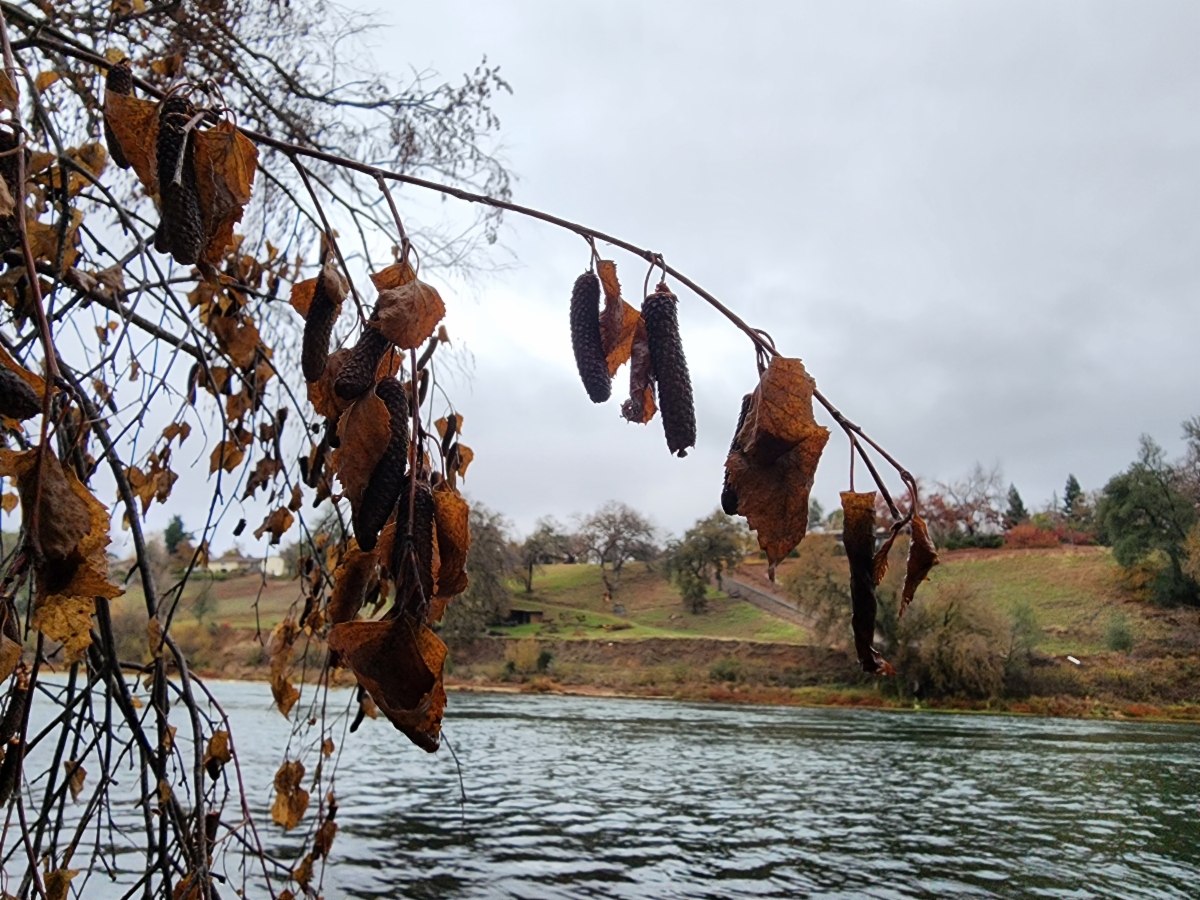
pixel 728 669
pixel 523 655
pixel 1117 634
pixel 1028 536
pixel 951 642
pixel 543 661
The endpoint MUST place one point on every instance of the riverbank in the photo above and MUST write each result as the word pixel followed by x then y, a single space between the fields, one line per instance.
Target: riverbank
pixel 575 640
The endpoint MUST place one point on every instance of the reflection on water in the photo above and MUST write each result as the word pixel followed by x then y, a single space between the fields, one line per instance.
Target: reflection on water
pixel 570 797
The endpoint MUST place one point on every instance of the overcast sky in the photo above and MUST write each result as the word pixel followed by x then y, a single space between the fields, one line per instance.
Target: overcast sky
pixel 977 223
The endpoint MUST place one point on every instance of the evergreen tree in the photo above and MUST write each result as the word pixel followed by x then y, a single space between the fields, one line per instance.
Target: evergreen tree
pixel 174 535
pixel 1016 512
pixel 1071 496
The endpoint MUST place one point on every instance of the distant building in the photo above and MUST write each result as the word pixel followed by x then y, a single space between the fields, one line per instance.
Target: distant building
pixel 235 564
pixel 522 617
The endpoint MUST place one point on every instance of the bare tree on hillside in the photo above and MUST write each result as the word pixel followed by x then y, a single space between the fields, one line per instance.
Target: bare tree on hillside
pixel 615 534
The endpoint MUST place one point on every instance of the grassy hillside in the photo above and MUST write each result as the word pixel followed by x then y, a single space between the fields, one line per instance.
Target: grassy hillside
pixel 737 652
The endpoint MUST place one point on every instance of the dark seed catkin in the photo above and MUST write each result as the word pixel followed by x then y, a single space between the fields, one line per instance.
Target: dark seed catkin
pixel 181 230
pixel 17 399
pixel 383 487
pixel 409 599
pixel 119 80
pixel 585 337
pixel 318 325
pixel 358 371
pixel 670 370
pixel 729 497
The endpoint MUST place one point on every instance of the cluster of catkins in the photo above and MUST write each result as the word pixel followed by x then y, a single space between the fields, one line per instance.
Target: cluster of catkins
pixel 388 488
pixel 668 370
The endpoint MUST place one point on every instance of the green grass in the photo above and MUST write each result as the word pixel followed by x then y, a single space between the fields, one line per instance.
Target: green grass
pixel 1073 593
pixel 572 598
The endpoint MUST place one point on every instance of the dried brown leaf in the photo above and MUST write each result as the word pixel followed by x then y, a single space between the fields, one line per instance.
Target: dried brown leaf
pixel 291 801
pixel 351 580
pixel 858 538
pixel 134 123
pixel 618 320
pixel 409 314
pixel 640 406
pixel 774 459
pixel 277 523
pixel 226 455
pixel 922 557
pixel 365 430
pixel 225 164
pixel 217 754
pixel 75 776
pixel 451 517
pixel 237 337
pixel 400 664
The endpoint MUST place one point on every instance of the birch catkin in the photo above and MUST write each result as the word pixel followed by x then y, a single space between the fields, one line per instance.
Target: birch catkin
pixel 379 499
pixel 670 370
pixel 181 230
pixel 585 338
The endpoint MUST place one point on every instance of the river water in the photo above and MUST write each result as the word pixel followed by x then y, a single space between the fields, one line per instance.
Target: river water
pixel 579 797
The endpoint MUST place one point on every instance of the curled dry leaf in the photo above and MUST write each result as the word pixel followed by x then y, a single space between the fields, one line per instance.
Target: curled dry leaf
pixel 451 516
pixel 277 522
pixel 282 689
pixel 237 337
pixel 922 557
pixel 772 466
pixel 618 320
pixel 365 430
pixel 291 800
pixel 33 380
pixel 880 565
pixel 351 580
pixel 134 123
pixel 226 455
pixel 217 754
pixel 72 534
pixel 58 883
pixel 399 662
pixel 409 313
pixel 226 161
pixel 640 406
pixel 75 775
pixel 858 537
pixel 10 655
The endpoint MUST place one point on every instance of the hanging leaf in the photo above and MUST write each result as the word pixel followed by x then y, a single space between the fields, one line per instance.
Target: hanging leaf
pixel 365 430
pixel 217 754
pixel 640 406
pixel 75 776
pixel 353 577
pixel 282 689
pixel 400 664
pixel 409 314
pixel 618 320
pixel 291 801
pixel 277 523
pixel 134 123
pixel 922 557
pixel 858 537
pixel 226 455
pixel 237 337
pixel 880 565
pixel 451 517
pixel 772 466
pixel 225 164
pixel 72 534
